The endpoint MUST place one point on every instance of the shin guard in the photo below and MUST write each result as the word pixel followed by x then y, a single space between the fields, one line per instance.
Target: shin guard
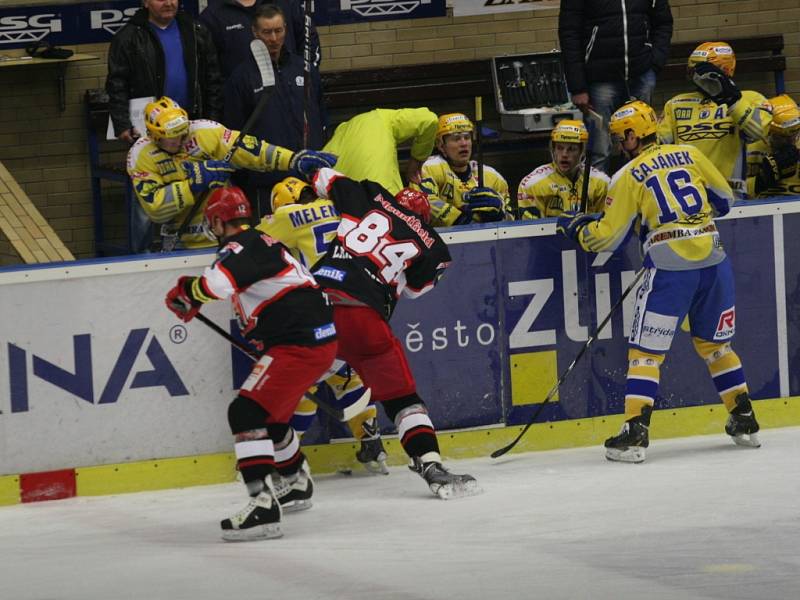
pixel 725 369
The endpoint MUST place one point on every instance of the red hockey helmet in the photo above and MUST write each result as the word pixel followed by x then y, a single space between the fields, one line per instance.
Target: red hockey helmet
pixel 415 201
pixel 227 203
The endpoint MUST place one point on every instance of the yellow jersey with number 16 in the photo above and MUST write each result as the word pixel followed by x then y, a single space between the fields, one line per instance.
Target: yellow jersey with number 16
pixel 672 193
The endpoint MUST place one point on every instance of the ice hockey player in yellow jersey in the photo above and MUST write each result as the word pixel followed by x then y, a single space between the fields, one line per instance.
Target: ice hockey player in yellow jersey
pixel 718 118
pixel 450 179
pixel 671 194
pixel 551 189
pixel 180 162
pixel 778 172
pixel 306 225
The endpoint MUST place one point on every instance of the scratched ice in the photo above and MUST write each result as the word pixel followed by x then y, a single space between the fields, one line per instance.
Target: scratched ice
pixel 701 519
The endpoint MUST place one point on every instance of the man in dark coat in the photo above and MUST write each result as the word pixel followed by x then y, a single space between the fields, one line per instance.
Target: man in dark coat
pixel 229 22
pixel 612 51
pixel 162 51
pixel 282 121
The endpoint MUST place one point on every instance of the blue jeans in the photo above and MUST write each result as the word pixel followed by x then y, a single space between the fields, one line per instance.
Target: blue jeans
pixel 608 96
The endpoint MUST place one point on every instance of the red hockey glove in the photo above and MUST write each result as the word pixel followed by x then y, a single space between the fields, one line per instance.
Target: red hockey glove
pixel 180 302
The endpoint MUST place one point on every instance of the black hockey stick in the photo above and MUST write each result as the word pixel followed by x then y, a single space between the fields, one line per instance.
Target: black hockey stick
pixel 264 63
pixel 589 342
pixel 479 137
pixel 308 8
pixel 591 118
pixel 339 414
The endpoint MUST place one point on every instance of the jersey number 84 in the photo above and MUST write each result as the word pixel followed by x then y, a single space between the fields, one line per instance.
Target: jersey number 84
pixel 370 237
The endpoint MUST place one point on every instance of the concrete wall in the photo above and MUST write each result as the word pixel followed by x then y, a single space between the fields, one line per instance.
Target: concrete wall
pixel 45 149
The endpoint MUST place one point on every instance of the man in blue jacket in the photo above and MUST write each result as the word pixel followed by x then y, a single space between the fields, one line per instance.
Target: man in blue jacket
pixel 282 120
pixel 612 51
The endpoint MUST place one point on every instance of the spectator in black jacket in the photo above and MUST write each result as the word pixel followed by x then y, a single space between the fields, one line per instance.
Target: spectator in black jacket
pixel 282 121
pixel 229 22
pixel 612 51
pixel 139 66
pixel 160 52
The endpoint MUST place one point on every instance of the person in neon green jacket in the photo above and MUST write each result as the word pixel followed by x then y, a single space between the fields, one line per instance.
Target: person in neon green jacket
pixel 366 145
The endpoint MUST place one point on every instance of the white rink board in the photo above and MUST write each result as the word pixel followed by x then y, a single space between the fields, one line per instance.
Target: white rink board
pixel 63 429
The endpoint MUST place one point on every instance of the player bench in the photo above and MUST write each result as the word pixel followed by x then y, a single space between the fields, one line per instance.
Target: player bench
pixel 442 87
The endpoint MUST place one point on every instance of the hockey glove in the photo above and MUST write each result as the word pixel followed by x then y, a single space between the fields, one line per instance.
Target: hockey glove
pixel 485 204
pixel 714 84
pixel 781 164
pixel 307 162
pixel 180 302
pixel 465 218
pixel 570 224
pixel 206 175
pixel 529 212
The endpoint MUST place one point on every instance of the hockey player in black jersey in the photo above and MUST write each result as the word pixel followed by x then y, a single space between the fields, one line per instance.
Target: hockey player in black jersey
pixel 383 249
pixel 284 314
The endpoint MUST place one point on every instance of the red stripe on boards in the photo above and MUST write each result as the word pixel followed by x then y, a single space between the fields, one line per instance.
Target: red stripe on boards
pixel 50 485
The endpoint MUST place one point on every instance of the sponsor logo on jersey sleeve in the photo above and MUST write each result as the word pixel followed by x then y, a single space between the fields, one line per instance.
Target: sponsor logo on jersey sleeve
pixel 330 273
pixel 325 331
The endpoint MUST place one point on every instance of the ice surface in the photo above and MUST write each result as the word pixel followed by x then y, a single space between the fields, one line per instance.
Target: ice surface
pixel 701 519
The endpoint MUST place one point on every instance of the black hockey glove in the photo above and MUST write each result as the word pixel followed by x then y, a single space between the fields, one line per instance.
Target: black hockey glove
pixel 781 164
pixel 714 84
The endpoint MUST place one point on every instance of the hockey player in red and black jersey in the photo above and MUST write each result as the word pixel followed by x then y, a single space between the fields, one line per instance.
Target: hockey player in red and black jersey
pixel 285 315
pixel 384 248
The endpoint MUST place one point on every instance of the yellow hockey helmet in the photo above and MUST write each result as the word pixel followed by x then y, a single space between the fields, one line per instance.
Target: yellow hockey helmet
pixel 164 118
pixel 569 131
pixel 635 116
pixel 719 54
pixel 287 191
pixel 453 123
pixel 785 116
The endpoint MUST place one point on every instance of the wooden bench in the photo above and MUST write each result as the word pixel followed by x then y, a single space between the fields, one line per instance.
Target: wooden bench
pixel 759 54
pixel 452 87
pixel 443 83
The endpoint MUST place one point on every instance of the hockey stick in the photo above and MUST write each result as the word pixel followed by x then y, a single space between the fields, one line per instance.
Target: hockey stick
pixel 479 137
pixel 264 64
pixel 339 414
pixel 308 8
pixel 589 342
pixel 592 119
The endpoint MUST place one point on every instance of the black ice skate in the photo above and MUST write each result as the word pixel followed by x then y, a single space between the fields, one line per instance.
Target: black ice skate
pixel 442 482
pixel 259 520
pixel 629 446
pixel 742 425
pixel 372 453
pixel 294 491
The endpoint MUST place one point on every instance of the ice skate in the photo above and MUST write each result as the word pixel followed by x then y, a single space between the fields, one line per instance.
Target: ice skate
pixel 294 491
pixel 443 483
pixel 259 520
pixel 742 425
pixel 629 446
pixel 372 453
